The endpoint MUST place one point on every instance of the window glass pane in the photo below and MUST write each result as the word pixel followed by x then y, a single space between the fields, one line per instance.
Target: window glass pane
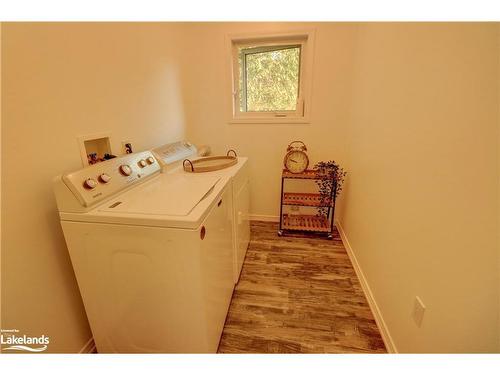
pixel 242 76
pixel 271 82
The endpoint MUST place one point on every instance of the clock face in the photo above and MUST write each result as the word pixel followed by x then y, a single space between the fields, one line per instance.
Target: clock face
pixel 296 161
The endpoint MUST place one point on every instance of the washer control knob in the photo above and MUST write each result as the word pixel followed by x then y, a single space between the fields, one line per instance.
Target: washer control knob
pixel 150 160
pixel 125 170
pixel 104 178
pixel 90 183
pixel 142 163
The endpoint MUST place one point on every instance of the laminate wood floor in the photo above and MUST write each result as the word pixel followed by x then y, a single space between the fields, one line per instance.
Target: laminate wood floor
pixel 298 295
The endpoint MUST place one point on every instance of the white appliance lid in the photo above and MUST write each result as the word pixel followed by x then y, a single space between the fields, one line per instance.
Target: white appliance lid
pixel 168 195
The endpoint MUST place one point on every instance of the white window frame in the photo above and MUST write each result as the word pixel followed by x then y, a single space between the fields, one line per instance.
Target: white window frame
pixel 294 38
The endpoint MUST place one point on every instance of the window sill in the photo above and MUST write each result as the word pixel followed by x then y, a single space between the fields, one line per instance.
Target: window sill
pixel 271 120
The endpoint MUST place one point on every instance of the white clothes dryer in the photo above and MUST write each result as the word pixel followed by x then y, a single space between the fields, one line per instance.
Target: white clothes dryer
pixel 171 157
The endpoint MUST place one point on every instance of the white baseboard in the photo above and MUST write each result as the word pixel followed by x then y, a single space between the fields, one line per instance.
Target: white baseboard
pixel 89 347
pixel 384 331
pixel 271 218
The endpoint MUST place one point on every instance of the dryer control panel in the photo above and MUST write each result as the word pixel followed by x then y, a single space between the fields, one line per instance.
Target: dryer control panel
pixel 102 180
pixel 173 152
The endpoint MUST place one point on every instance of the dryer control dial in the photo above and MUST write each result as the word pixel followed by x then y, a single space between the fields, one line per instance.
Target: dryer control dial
pixel 104 178
pixel 89 183
pixel 125 170
pixel 142 163
pixel 150 160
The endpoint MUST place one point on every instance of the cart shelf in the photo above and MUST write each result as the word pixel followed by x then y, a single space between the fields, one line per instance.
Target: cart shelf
pixel 304 199
pixel 313 223
pixel 308 174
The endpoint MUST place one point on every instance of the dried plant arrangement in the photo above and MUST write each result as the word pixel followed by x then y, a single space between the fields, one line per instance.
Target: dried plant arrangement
pixel 330 184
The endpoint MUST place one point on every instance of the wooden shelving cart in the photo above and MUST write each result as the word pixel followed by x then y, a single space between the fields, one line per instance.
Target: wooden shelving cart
pixel 321 225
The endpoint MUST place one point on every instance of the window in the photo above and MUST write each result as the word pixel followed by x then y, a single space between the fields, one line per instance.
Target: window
pixel 271 78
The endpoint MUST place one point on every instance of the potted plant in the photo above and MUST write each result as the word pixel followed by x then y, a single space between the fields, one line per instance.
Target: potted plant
pixel 330 184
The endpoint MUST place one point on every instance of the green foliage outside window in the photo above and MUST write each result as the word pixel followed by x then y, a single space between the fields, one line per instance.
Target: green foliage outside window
pixel 272 79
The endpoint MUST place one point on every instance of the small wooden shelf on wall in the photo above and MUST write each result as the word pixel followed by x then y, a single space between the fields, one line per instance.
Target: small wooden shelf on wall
pixel 314 223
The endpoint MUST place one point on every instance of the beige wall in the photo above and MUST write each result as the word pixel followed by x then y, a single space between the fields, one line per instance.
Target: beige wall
pixel 60 81
pixel 421 202
pixel 0 172
pixel 208 105
pixel 498 187
pixel 410 110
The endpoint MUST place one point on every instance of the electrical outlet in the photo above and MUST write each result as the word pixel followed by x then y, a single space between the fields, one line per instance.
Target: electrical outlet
pixel 418 311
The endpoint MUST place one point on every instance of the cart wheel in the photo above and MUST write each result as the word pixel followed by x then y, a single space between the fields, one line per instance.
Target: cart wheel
pixel 280 233
pixel 330 236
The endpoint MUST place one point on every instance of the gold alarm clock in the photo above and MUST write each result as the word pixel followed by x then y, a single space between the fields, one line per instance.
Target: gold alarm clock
pixel 296 159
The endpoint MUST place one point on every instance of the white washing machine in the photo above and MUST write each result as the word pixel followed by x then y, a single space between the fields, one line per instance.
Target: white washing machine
pixel 152 254
pixel 171 157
